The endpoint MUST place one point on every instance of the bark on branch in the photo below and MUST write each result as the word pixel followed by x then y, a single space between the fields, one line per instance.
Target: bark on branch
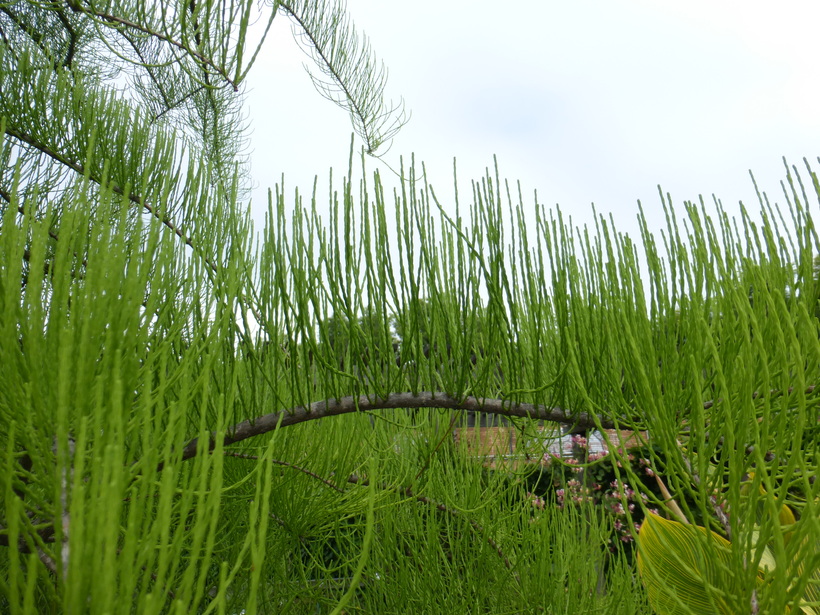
pixel 345 405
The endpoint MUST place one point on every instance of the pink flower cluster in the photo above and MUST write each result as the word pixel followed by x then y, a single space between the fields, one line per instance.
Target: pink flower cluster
pixel 619 500
pixel 647 467
pixel 535 501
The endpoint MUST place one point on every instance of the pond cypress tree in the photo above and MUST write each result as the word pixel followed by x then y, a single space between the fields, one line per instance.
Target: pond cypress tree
pixel 179 436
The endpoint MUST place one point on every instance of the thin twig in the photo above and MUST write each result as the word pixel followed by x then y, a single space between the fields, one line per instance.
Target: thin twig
pixel 114 20
pixel 133 197
pixel 479 529
pixel 669 500
pixel 287 465
pixel 438 445
pixel 48 562
pixel 354 479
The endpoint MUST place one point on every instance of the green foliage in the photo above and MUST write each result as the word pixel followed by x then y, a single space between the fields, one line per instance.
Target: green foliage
pixel 593 478
pixel 680 574
pixel 196 419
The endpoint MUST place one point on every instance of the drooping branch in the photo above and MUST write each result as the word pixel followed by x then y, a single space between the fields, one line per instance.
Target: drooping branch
pixel 114 20
pixel 352 77
pixel 477 527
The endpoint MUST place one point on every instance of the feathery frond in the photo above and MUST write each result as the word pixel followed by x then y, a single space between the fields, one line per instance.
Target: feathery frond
pixel 351 76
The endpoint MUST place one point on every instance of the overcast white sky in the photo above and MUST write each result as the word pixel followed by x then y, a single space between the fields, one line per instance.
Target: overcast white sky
pixel 584 101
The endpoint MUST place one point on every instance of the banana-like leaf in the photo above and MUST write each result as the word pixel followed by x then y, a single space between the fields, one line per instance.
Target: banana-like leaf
pixel 681 575
pixel 785 516
pixel 811 595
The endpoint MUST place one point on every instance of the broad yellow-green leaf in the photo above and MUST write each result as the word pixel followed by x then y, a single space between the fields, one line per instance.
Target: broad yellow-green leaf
pixel 785 515
pixel 786 518
pixel 811 595
pixel 682 575
pixel 767 561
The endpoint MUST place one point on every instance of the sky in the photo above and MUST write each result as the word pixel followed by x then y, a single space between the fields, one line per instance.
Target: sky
pixel 589 101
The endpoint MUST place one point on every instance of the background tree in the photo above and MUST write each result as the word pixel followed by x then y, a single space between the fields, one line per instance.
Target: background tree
pixel 179 437
pixel 98 94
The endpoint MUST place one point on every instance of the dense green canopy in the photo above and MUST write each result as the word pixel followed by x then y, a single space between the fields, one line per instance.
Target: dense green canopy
pixel 198 418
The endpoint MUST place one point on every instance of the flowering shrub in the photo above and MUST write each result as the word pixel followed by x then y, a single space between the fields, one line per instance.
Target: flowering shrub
pixel 590 477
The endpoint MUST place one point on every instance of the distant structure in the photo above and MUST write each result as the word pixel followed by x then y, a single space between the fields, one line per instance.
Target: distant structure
pixel 502 444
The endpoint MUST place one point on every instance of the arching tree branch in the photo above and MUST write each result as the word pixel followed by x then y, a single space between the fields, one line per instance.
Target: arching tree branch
pixel 321 409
